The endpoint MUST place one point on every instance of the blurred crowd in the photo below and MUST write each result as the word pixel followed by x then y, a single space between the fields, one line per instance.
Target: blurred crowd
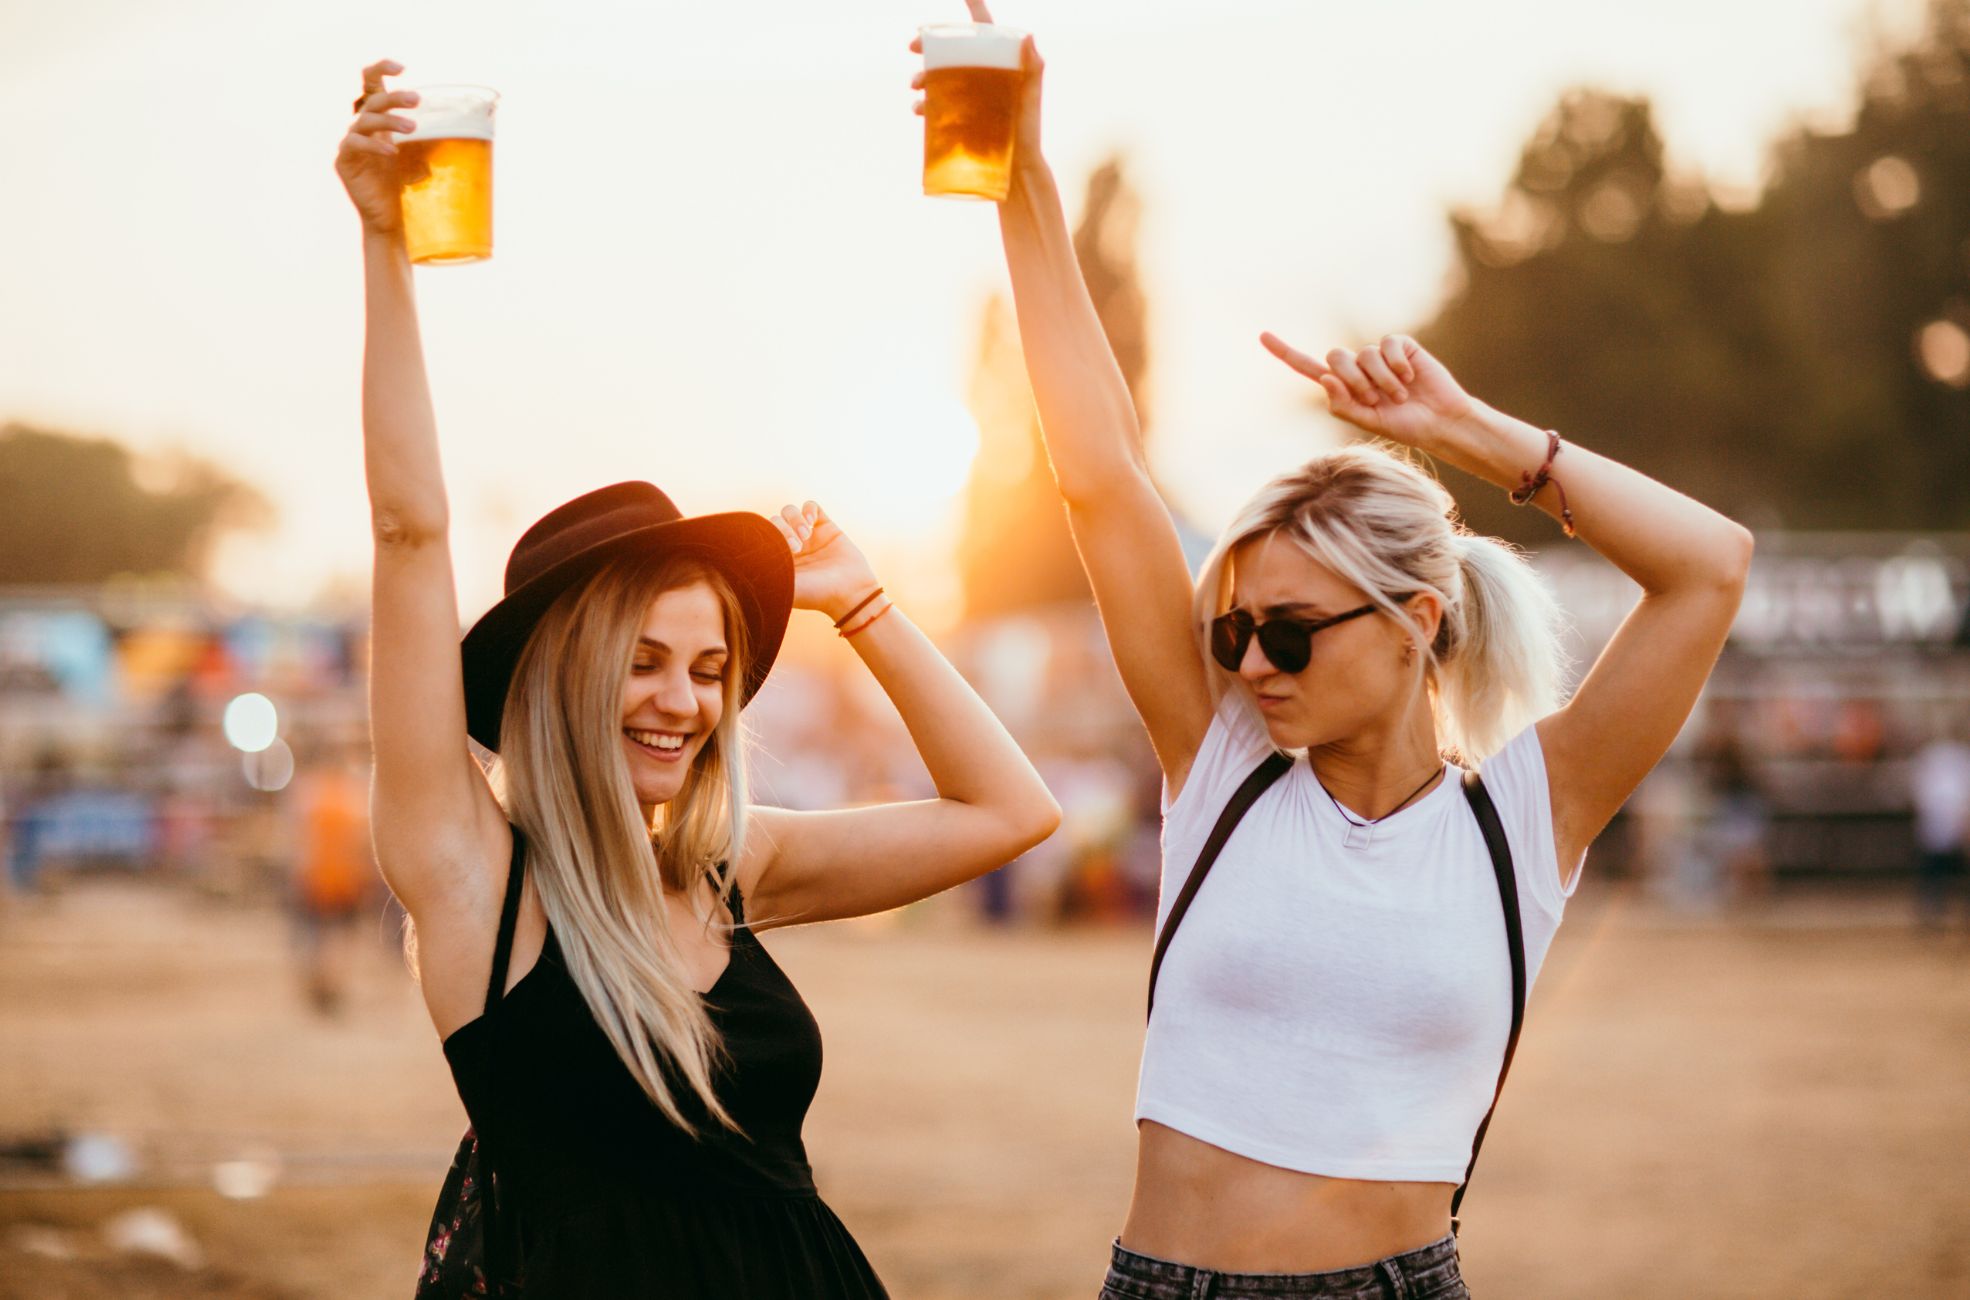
pixel 162 734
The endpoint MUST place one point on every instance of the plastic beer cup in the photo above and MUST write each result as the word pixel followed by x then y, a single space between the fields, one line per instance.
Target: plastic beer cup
pixel 972 77
pixel 446 164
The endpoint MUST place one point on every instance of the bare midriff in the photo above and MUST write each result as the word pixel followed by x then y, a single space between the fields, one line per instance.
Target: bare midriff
pixel 1201 1205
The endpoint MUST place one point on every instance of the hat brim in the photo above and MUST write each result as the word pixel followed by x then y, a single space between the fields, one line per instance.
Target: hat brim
pixel 746 548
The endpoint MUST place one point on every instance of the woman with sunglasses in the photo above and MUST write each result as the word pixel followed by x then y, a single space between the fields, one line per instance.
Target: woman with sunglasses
pixel 1331 1014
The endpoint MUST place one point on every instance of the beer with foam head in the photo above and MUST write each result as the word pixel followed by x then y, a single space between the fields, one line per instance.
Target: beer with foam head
pixel 971 90
pixel 446 165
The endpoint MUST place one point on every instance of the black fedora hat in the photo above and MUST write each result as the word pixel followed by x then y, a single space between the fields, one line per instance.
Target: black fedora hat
pixel 575 540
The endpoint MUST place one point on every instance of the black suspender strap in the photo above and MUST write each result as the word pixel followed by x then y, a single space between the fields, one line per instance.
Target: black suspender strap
pixel 1508 897
pixel 509 918
pixel 735 902
pixel 1262 777
pixel 492 1237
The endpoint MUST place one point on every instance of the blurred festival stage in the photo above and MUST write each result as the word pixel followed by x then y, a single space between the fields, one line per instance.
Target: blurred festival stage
pixel 1772 1103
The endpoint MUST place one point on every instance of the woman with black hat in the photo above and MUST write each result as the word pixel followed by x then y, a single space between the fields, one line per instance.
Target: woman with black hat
pixel 635 1066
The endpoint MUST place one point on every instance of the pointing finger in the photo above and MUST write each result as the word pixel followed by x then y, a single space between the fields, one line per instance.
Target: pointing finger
pixel 1292 356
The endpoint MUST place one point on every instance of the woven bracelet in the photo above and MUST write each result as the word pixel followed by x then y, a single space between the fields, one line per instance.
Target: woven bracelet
pixel 860 605
pixel 869 622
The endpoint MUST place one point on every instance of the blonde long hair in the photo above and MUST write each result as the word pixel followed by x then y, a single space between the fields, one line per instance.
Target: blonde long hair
pixel 599 869
pixel 1376 520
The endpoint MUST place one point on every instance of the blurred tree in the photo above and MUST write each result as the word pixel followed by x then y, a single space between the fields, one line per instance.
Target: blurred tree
pixel 1805 362
pixel 81 510
pixel 1016 551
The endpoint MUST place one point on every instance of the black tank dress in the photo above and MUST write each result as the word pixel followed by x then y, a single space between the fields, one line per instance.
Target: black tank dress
pixel 601 1195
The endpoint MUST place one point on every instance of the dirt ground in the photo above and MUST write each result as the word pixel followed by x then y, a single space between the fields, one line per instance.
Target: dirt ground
pixel 1777 1106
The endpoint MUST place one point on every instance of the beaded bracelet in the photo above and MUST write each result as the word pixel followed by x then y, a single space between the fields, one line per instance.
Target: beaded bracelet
pixel 1530 483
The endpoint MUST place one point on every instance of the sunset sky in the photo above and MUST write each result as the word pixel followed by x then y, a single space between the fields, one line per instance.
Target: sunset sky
pixel 714 267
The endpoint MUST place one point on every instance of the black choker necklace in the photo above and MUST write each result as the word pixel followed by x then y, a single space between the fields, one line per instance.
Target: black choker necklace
pixel 1358 832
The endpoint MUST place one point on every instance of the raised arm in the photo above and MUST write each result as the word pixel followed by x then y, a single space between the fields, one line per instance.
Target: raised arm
pixel 1121 526
pixel 1690 561
pixel 990 807
pixel 436 825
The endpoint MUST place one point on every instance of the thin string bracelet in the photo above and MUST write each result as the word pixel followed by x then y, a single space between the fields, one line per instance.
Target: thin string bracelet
pixel 869 622
pixel 861 605
pixel 1530 483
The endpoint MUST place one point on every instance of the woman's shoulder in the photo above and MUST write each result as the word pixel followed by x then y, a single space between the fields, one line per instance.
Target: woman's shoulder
pixel 1235 742
pixel 1517 781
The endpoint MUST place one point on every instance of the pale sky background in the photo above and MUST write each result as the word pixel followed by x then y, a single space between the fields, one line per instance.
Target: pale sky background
pixel 714 268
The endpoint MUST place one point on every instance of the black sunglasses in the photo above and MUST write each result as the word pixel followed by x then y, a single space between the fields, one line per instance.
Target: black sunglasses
pixel 1287 643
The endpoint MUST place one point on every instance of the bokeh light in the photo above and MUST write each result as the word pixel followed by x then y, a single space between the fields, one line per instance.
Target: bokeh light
pixel 270 769
pixel 251 723
pixel 1887 188
pixel 1943 348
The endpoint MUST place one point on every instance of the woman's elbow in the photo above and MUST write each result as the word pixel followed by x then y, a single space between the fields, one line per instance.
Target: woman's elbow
pixel 1037 817
pixel 397 528
pixel 1734 568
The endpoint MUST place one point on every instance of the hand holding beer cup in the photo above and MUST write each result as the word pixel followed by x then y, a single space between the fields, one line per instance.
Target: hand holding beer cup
pixel 436 188
pixel 368 161
pixel 981 105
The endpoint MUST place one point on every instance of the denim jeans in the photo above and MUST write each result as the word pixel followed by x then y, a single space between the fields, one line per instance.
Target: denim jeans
pixel 1428 1273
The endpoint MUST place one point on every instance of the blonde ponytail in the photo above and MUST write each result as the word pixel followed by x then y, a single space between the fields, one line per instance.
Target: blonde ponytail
pixel 1498 660
pixel 1376 520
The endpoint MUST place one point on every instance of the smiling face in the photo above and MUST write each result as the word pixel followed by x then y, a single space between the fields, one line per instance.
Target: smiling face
pixel 674 693
pixel 1356 677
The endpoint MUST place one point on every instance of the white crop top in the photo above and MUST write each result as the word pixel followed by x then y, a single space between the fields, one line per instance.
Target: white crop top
pixel 1342 1010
